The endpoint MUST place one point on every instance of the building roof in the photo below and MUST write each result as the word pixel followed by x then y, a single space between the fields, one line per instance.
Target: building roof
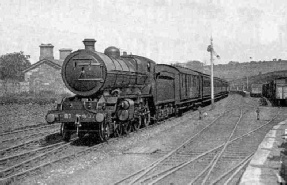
pixel 57 64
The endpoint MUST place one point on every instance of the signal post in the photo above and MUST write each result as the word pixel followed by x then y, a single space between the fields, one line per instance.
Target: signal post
pixel 210 49
pixel 211 74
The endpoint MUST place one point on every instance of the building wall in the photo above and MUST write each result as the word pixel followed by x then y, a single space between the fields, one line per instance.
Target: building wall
pixel 13 87
pixel 45 78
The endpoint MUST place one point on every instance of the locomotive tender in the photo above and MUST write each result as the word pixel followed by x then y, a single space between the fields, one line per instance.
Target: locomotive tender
pixel 119 93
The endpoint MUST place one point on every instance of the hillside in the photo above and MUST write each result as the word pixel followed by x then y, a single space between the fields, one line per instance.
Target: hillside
pixel 235 71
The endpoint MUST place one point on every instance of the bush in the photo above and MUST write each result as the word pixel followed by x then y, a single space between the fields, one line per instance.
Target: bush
pixel 64 95
pixel 42 98
pixel 46 93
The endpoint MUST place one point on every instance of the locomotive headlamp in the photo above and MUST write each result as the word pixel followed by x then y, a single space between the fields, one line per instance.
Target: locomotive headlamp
pixel 100 117
pixel 50 118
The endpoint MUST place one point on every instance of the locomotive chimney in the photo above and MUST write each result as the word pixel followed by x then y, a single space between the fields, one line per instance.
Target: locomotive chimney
pixel 46 51
pixel 125 53
pixel 89 44
pixel 64 52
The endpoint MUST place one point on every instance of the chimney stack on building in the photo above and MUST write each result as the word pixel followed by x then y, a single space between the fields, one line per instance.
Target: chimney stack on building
pixel 89 44
pixel 46 51
pixel 64 52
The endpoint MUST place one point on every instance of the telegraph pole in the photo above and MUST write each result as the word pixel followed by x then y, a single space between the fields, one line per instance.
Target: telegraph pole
pixel 211 73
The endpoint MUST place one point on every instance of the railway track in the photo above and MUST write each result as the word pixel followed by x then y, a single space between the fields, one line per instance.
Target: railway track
pixel 143 174
pixel 6 136
pixel 12 160
pixel 27 145
pixel 30 163
pixel 19 139
pixel 195 163
pixel 34 161
pixel 23 129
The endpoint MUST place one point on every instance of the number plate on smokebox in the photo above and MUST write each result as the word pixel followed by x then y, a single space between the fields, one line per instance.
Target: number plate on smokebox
pixel 70 117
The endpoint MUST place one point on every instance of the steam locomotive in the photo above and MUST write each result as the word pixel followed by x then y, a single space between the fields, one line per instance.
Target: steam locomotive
pixel 116 94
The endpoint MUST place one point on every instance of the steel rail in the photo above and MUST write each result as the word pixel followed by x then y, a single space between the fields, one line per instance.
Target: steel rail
pixel 177 167
pixel 41 126
pixel 215 148
pixel 22 128
pixel 49 164
pixel 151 166
pixel 193 159
pixel 39 168
pixel 8 171
pixel 213 161
pixel 221 152
pixel 13 149
pixel 204 170
pixel 22 156
pixel 237 167
pixel 15 139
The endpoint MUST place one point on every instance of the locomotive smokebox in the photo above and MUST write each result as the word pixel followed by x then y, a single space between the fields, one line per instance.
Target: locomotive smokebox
pixel 89 44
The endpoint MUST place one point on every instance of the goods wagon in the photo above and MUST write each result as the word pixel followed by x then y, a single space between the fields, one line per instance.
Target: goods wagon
pixel 276 91
pixel 256 90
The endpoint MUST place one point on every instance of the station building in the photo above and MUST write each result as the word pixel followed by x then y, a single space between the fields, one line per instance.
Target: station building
pixel 45 75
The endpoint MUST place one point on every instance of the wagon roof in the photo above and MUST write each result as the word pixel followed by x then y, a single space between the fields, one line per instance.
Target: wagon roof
pixel 187 70
pixel 139 57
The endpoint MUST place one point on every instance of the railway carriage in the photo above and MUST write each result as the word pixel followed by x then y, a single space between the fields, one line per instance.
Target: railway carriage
pixel 116 94
pixel 222 87
pixel 190 85
pixel 177 88
pixel 206 89
pixel 166 94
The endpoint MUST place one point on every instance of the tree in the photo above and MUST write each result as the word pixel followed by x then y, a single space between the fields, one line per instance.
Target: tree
pixel 12 65
pixel 233 62
pixel 195 65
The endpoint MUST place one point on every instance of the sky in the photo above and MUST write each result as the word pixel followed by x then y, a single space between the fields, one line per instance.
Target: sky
pixel 165 31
